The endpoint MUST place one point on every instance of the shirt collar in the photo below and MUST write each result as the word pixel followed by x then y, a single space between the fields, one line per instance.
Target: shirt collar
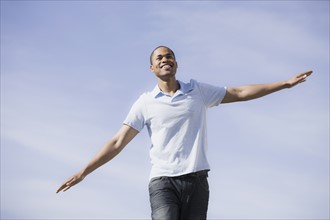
pixel 184 88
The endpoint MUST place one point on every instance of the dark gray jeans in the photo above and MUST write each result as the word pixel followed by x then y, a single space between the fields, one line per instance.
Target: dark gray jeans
pixel 178 198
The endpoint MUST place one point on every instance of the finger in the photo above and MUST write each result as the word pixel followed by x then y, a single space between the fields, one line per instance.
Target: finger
pixel 68 187
pixel 65 184
pixel 65 187
pixel 309 72
pixel 305 74
pixel 60 188
pixel 302 76
pixel 71 183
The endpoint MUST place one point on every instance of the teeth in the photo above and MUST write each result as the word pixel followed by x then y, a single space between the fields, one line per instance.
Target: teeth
pixel 166 66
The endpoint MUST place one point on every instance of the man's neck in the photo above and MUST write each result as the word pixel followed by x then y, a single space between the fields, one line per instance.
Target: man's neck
pixel 169 87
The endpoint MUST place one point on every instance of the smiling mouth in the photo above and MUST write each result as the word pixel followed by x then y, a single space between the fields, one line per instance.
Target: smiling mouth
pixel 167 65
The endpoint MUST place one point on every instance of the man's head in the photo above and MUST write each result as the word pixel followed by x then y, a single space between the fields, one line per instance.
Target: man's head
pixel 152 53
pixel 162 62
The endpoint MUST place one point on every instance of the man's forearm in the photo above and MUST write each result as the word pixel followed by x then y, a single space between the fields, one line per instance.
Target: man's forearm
pixel 249 92
pixel 109 151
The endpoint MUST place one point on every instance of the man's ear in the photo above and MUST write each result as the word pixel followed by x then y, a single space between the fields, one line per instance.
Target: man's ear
pixel 151 68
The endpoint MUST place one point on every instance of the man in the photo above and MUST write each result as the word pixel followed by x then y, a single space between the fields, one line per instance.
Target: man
pixel 174 114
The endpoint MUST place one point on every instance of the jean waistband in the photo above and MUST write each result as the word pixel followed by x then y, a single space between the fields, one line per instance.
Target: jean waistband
pixel 202 173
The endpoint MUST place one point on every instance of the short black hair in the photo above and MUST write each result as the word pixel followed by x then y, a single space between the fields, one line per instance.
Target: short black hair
pixel 152 53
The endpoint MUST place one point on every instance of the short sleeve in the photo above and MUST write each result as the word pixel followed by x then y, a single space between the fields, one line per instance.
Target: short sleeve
pixel 136 115
pixel 212 95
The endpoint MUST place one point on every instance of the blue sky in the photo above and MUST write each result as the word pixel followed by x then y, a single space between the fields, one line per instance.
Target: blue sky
pixel 70 71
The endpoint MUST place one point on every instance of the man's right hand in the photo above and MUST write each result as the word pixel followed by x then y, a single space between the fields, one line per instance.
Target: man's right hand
pixel 71 182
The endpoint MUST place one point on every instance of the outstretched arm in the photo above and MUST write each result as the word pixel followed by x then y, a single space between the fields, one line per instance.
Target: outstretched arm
pixel 248 92
pixel 109 151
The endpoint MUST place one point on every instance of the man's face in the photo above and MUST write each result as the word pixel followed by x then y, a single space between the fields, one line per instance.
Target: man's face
pixel 163 63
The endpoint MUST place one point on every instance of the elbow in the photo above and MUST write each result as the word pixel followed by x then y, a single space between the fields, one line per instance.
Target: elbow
pixel 234 95
pixel 118 145
pixel 242 96
pixel 246 95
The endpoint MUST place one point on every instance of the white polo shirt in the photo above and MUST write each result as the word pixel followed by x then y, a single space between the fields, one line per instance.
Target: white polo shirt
pixel 176 126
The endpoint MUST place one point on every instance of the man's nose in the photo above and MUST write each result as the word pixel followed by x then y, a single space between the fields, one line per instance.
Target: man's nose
pixel 164 59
